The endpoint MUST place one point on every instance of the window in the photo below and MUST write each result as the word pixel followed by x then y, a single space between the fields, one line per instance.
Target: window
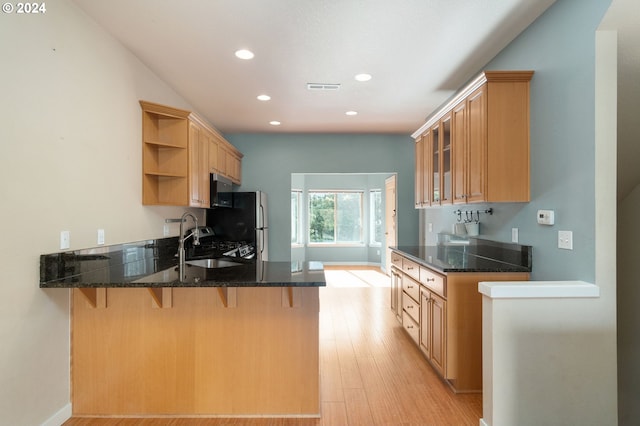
pixel 375 217
pixel 296 223
pixel 335 217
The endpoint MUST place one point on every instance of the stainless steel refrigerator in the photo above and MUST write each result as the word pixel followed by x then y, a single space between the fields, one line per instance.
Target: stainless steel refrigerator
pixel 245 221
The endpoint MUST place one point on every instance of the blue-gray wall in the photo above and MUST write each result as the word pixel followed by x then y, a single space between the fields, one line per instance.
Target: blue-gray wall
pixel 560 48
pixel 270 159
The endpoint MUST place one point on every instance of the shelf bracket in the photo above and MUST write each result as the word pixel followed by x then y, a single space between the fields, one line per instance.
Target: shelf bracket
pixel 291 297
pixel 161 297
pixel 97 297
pixel 228 296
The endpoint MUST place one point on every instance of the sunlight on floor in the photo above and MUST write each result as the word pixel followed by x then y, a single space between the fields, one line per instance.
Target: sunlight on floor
pixel 356 278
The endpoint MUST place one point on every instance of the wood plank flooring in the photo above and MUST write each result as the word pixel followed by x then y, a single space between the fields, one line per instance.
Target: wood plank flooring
pixel 371 372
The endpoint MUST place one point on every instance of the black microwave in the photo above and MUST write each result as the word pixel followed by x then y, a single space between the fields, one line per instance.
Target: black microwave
pixel 220 188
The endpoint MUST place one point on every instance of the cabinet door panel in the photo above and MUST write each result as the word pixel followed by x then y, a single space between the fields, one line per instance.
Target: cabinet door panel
pixel 419 177
pixel 194 165
pixel 425 323
pixel 459 152
pixel 438 338
pixel 445 160
pixel 477 158
pixel 435 165
pixel 426 169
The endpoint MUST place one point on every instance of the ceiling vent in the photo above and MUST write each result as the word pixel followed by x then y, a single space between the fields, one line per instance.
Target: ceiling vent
pixel 323 86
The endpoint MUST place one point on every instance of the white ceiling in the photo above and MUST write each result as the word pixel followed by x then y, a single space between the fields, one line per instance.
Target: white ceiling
pixel 418 52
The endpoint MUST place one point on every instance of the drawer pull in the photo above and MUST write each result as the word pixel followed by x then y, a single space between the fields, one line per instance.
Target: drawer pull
pixel 409 286
pixel 409 267
pixel 409 326
pixel 430 279
pixel 409 306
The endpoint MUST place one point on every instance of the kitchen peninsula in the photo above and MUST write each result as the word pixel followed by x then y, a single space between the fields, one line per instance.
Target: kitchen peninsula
pixel 228 341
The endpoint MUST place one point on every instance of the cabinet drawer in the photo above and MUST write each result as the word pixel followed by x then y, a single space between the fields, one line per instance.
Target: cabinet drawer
pixel 411 307
pixel 411 287
pixel 411 326
pixel 434 282
pixel 411 268
pixel 396 259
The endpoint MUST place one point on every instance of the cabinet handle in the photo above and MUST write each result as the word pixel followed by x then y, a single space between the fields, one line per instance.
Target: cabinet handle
pixel 409 306
pixel 409 267
pixel 430 279
pixel 409 326
pixel 409 286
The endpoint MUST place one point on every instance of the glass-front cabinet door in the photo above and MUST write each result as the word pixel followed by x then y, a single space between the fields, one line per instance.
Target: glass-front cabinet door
pixel 446 193
pixel 435 165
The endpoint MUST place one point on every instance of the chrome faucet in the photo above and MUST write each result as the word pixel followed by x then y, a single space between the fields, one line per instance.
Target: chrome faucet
pixel 196 241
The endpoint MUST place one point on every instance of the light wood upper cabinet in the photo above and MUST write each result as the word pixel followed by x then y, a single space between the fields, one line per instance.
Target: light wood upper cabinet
pixel 423 176
pixel 419 176
pixel 198 166
pixel 480 141
pixel 475 171
pixel 459 152
pixel 179 150
pixel 165 157
pixel 445 160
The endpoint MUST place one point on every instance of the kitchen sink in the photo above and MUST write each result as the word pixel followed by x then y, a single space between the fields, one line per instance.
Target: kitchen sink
pixel 212 263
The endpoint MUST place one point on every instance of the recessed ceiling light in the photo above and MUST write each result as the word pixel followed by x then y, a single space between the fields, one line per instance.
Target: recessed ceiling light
pixel 363 77
pixel 275 123
pixel 351 112
pixel 244 54
pixel 264 97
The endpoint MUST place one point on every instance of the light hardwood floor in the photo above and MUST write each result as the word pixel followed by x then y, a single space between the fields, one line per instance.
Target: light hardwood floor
pixel 371 372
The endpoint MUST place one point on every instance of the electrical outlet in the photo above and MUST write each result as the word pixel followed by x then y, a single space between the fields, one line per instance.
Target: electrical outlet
pixel 100 236
pixel 65 240
pixel 565 240
pixel 430 226
pixel 165 230
pixel 514 235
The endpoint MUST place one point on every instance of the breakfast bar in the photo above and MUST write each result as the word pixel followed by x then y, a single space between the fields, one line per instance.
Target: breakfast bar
pixel 231 338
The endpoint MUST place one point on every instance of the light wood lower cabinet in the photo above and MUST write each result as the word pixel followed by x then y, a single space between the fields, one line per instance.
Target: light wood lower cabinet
pixel 442 313
pixel 433 319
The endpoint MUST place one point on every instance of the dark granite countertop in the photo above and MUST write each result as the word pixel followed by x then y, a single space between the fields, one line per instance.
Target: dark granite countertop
pixel 474 255
pixel 153 263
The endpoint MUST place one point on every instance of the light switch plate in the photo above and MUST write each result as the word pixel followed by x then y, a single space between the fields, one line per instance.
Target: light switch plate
pixel 65 240
pixel 514 235
pixel 100 236
pixel 565 240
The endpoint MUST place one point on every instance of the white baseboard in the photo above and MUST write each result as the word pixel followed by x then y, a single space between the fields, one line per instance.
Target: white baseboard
pixel 483 423
pixel 60 417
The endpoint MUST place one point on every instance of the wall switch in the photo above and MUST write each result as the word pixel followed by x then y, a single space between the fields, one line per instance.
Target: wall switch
pixel 65 240
pixel 165 230
pixel 100 236
pixel 430 227
pixel 514 235
pixel 565 240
